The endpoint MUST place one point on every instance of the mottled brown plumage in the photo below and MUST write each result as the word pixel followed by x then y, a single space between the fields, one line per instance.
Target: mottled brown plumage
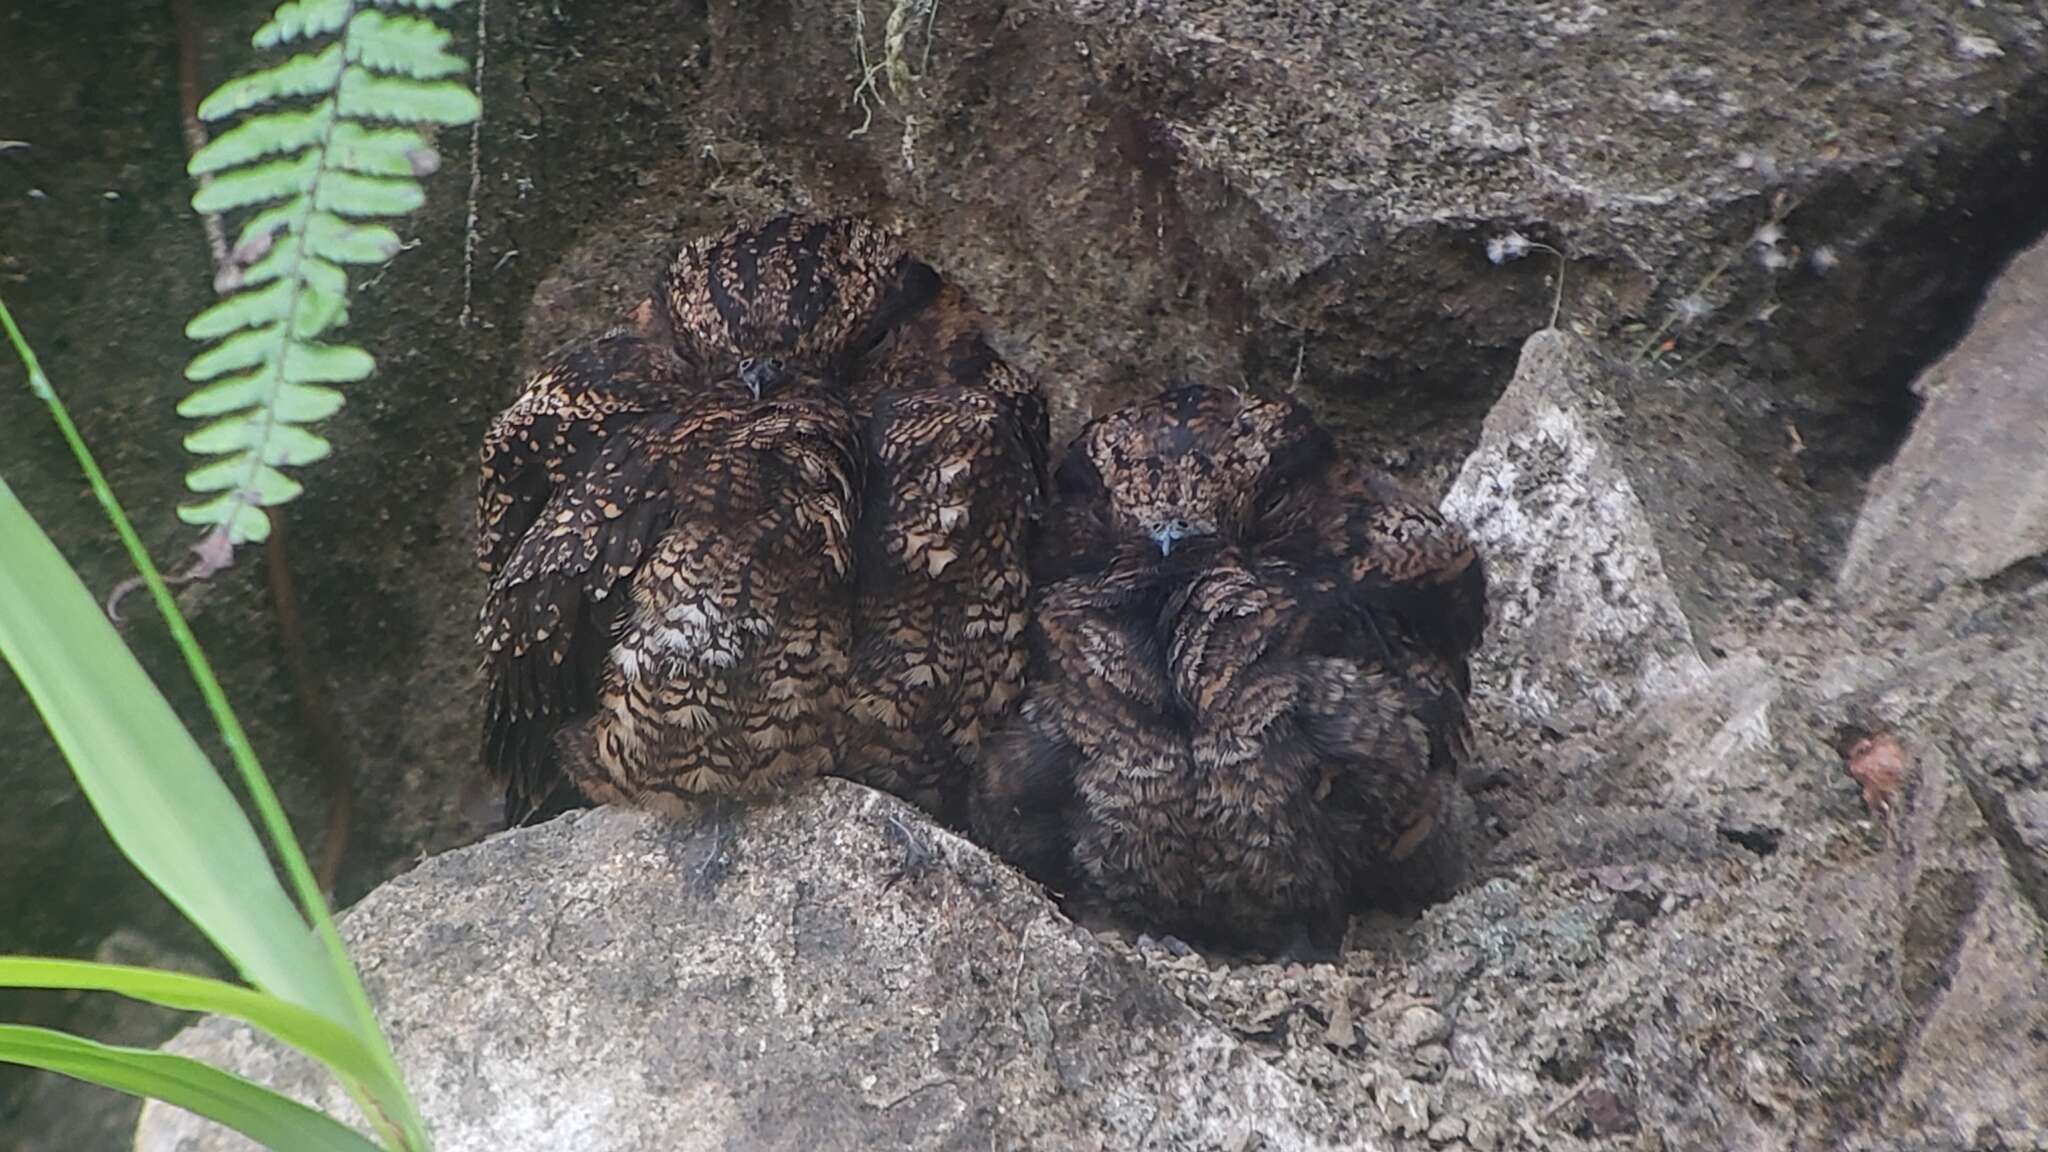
pixel 546 623
pixel 795 291
pixel 728 670
pixel 956 457
pixel 676 619
pixel 690 594
pixel 1246 715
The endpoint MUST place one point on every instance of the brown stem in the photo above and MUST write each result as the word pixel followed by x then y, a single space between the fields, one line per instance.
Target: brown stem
pixel 188 114
pixel 313 710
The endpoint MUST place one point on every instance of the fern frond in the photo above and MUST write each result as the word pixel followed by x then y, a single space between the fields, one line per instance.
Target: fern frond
pixel 327 150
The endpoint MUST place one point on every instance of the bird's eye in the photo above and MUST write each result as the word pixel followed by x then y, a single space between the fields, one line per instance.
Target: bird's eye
pixel 747 363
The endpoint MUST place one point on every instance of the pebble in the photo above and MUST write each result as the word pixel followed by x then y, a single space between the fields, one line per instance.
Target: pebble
pixel 1420 1025
pixel 1431 1061
pixel 1403 1104
pixel 1446 1130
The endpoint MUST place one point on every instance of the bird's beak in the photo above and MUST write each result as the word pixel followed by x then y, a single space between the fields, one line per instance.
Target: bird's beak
pixel 1165 541
pixel 753 384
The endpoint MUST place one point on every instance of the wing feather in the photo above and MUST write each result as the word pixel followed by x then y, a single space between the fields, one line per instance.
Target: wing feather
pixel 577 401
pixel 728 672
pixel 956 444
pixel 944 589
pixel 546 622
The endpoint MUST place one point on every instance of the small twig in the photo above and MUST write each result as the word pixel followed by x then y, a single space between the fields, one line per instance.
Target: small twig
pixel 476 172
pixel 195 132
pixel 900 1097
pixel 1564 1101
pixel 319 718
pixel 1557 297
pixel 1023 954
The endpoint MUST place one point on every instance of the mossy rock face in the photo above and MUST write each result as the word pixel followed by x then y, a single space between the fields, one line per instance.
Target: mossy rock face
pixel 1293 196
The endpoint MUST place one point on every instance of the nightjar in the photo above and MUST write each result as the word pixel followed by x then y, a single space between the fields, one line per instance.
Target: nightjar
pixel 1247 707
pixel 774 525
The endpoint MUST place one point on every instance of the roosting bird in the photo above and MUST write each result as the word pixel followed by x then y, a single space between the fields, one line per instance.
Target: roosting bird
pixel 773 527
pixel 956 466
pixel 1247 707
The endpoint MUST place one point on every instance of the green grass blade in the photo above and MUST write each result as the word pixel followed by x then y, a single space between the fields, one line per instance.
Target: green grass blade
pixel 327 1041
pixel 274 1121
pixel 160 798
pixel 385 1100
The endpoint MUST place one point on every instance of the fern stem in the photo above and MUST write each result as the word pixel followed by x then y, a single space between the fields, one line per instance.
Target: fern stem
pixel 284 602
pixel 410 1130
pixel 328 743
pixel 195 132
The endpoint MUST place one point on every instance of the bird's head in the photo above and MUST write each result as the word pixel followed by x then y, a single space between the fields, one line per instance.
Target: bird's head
pixel 769 304
pixel 1187 469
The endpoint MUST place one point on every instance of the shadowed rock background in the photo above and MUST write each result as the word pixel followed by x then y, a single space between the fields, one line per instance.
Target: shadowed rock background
pixel 1691 929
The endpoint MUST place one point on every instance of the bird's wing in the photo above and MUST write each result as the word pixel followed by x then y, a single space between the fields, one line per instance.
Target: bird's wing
pixel 1408 560
pixel 1376 746
pixel 1392 743
pixel 728 672
pixel 1224 624
pixel 956 444
pixel 1095 680
pixel 567 411
pixel 946 529
pixel 1020 794
pixel 546 622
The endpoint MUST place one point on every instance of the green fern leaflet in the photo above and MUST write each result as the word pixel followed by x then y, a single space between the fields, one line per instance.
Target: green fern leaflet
pixel 329 145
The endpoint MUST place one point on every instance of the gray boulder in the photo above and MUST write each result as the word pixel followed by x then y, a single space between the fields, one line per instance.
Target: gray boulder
pixel 1966 497
pixel 1585 625
pixel 826 973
